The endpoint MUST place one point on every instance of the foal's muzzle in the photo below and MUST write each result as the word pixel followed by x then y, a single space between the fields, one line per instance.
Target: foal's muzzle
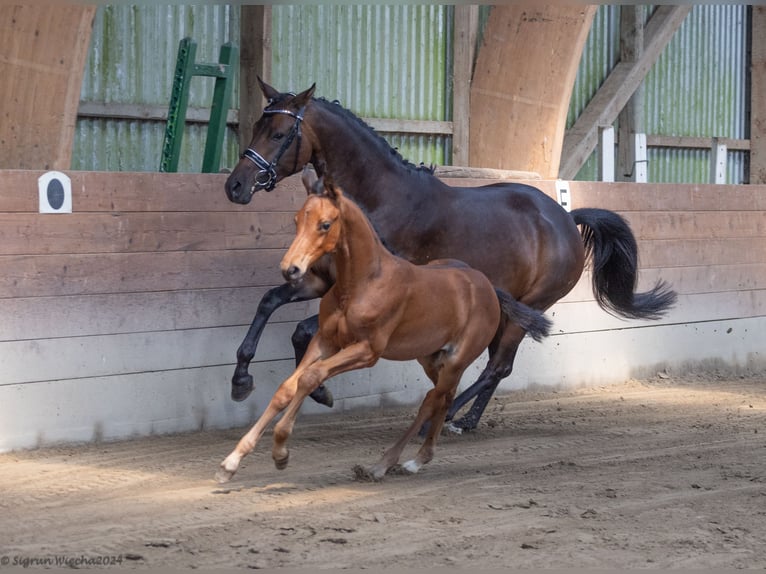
pixel 292 273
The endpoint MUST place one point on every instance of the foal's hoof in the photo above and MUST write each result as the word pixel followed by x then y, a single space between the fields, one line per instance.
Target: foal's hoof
pixel 241 388
pixel 364 474
pixel 323 396
pixel 223 476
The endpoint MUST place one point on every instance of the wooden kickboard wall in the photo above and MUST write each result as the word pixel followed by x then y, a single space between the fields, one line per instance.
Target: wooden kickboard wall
pixel 123 318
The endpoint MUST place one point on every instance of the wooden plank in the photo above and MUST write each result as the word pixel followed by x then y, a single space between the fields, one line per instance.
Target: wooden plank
pixel 119 406
pixel 758 96
pixel 53 275
pixel 682 252
pixel 147 112
pixel 25 318
pixel 581 139
pixel 687 280
pixel 625 197
pixel 698 224
pixel 41 83
pixel 103 355
pixel 462 173
pixel 520 94
pixel 146 191
pixel 387 125
pixel 688 142
pixel 133 232
pixel 586 317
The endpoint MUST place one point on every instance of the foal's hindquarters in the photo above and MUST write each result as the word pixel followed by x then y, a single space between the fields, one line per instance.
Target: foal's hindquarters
pixel 445 323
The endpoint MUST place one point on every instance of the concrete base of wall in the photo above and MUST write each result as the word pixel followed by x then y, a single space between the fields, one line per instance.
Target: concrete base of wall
pixel 104 409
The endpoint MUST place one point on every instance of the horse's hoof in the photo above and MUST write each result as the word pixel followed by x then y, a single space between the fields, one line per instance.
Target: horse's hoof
pixel 364 474
pixel 281 463
pixel 241 388
pixel 461 426
pixel 223 476
pixel 323 396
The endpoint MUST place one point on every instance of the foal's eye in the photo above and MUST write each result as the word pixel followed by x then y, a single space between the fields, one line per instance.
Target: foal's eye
pixel 325 226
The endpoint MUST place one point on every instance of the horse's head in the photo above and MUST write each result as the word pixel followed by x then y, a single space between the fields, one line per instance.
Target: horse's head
pixel 318 227
pixel 276 149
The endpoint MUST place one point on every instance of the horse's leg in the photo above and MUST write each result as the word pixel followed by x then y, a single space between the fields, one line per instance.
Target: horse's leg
pixel 304 332
pixel 499 366
pixel 242 381
pixel 281 399
pixel 356 356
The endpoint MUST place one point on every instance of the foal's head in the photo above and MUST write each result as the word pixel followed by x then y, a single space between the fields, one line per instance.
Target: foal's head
pixel 318 227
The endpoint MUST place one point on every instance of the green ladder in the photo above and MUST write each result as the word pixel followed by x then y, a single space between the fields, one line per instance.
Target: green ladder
pixel 186 68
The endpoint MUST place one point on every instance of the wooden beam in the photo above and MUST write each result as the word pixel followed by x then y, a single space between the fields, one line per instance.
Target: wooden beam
pixel 631 118
pixel 603 109
pixel 522 84
pixel 465 29
pixel 42 58
pixel 254 60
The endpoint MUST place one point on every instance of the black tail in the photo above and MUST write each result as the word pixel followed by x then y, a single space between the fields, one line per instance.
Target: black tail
pixel 610 244
pixel 531 320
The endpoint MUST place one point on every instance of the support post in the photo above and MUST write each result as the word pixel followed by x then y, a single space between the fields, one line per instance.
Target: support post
pixel 718 153
pixel 606 159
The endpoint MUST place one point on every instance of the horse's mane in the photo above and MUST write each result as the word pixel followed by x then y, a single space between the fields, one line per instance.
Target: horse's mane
pixel 336 107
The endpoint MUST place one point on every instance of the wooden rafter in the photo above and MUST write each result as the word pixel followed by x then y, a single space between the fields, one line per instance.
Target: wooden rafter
pixel 602 110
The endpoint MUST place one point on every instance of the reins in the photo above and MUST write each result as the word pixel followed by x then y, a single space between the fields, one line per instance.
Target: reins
pixel 267 174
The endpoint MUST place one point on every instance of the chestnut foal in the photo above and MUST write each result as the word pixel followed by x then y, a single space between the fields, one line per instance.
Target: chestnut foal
pixel 444 314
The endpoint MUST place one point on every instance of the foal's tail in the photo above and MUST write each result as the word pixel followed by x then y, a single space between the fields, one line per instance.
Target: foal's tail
pixel 610 244
pixel 531 320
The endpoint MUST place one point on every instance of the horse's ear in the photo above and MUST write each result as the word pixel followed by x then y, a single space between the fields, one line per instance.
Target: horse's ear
pixel 304 97
pixel 331 190
pixel 317 187
pixel 308 177
pixel 268 92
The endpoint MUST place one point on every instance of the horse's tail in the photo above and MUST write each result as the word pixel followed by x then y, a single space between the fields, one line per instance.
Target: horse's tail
pixel 610 244
pixel 531 320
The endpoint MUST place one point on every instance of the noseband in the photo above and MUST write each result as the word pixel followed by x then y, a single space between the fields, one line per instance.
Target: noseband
pixel 267 174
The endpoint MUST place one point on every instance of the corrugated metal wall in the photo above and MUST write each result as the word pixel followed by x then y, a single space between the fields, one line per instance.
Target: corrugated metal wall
pixel 378 61
pixel 132 60
pixel 697 88
pixel 395 62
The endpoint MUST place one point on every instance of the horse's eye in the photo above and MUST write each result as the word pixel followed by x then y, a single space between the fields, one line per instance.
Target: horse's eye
pixel 277 136
pixel 325 226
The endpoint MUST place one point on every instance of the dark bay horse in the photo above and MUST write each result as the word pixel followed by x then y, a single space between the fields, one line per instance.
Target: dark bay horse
pixel 443 313
pixel 520 238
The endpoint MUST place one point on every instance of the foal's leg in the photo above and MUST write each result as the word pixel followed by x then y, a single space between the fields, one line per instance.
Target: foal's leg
pixel 281 399
pixel 356 356
pixel 443 395
pixel 436 401
pixel 304 332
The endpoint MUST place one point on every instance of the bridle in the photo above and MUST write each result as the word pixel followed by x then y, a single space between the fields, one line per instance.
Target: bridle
pixel 266 177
